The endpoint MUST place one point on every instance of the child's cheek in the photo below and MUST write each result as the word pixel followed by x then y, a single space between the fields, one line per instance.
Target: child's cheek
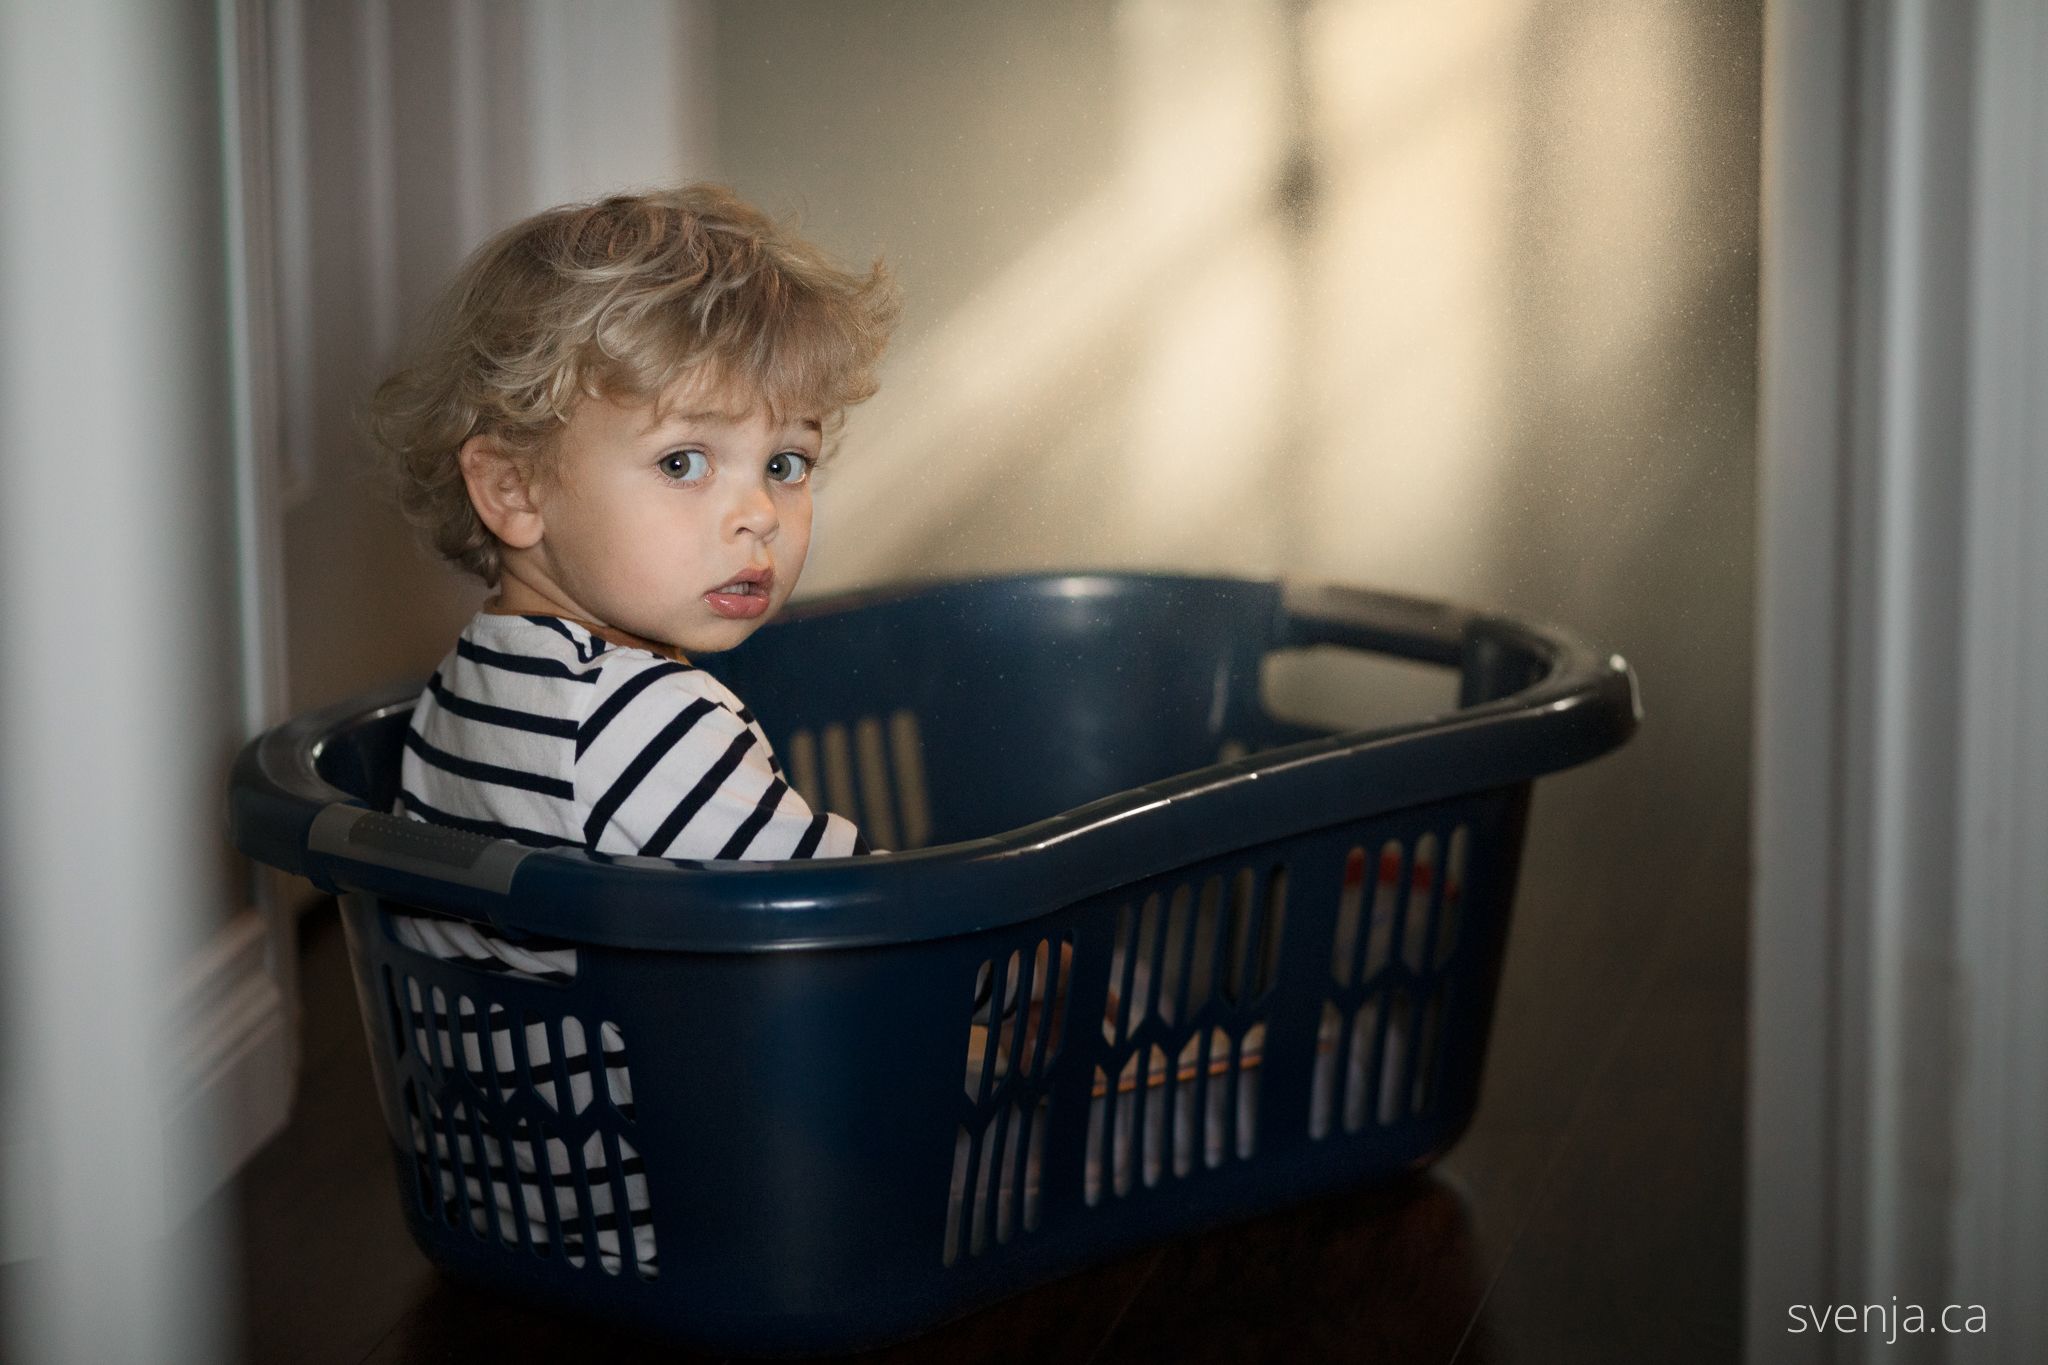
pixel 794 552
pixel 797 524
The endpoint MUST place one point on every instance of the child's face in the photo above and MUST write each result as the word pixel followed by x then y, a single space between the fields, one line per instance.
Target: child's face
pixel 685 521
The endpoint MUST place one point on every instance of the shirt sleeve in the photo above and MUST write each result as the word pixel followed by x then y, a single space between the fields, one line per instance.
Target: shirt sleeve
pixel 665 766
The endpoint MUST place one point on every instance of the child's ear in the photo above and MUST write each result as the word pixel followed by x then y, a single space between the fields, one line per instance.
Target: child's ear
pixel 500 492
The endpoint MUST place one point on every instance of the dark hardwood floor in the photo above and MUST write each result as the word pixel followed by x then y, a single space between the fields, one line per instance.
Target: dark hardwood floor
pixel 1591 1214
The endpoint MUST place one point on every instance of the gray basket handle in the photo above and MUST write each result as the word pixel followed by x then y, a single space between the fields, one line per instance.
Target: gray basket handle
pixel 351 834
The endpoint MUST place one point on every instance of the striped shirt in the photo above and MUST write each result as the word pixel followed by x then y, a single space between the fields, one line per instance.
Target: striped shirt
pixel 535 729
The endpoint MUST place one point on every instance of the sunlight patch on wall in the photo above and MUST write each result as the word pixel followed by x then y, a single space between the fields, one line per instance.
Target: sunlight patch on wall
pixel 1612 200
pixel 1412 328
pixel 1379 65
pixel 1209 444
pixel 1203 94
pixel 1349 400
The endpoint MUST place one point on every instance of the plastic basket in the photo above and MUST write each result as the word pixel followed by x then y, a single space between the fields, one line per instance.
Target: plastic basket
pixel 1147 960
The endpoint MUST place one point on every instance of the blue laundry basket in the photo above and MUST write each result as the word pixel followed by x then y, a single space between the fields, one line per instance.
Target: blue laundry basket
pixel 1147 959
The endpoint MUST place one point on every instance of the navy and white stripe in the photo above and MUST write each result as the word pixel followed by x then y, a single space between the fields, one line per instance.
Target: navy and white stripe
pixel 535 730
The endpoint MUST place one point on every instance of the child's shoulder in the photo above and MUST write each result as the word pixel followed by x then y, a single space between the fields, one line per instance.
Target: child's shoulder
pixel 559 647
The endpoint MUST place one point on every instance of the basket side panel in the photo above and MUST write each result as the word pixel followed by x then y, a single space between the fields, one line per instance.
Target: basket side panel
pixel 1335 1036
pixel 835 1148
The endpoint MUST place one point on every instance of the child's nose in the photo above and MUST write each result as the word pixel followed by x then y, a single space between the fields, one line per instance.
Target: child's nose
pixel 754 510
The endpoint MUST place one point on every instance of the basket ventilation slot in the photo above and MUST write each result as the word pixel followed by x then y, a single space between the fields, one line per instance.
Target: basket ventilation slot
pixel 996 1178
pixel 872 772
pixel 513 1137
pixel 1378 1043
pixel 1016 1020
pixel 1193 1115
pixel 1182 955
pixel 1187 969
pixel 1004 1041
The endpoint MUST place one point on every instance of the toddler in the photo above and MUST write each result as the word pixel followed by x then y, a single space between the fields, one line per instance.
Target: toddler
pixel 613 416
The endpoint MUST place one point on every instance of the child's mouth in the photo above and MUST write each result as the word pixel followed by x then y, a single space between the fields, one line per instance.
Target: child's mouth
pixel 741 599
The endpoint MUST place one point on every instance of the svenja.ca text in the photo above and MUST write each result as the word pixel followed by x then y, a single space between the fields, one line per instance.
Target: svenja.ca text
pixel 1890 1320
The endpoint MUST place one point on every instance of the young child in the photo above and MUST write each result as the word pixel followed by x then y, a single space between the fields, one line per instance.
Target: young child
pixel 614 417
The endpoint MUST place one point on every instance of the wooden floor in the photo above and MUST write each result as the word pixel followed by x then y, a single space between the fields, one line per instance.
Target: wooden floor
pixel 1591 1214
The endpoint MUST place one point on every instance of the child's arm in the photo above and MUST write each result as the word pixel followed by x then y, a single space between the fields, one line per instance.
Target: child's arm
pixel 665 767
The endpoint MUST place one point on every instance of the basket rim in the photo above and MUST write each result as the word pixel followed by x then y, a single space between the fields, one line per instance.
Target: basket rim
pixel 1584 704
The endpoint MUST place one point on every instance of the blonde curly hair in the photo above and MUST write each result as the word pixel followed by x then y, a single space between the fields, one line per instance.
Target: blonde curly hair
pixel 618 298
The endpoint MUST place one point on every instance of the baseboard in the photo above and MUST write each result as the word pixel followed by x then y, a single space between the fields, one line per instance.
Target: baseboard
pixel 239 1059
pixel 233 1067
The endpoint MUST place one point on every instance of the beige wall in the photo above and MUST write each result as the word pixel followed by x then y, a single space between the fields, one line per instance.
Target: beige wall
pixel 1504 353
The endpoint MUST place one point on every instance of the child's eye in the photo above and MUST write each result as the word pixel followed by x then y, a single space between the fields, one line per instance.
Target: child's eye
pixel 684 466
pixel 789 467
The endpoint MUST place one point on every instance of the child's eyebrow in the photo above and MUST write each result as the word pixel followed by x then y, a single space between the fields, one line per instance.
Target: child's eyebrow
pixel 810 424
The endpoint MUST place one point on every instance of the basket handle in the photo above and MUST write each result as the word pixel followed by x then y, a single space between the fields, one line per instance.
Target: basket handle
pixel 392 842
pixel 411 861
pixel 1385 623
pixel 1496 657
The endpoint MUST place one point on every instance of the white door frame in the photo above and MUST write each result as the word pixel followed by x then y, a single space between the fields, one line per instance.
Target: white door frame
pixel 1898 1098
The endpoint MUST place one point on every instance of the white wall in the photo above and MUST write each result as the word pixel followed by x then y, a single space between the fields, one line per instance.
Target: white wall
pixel 120 690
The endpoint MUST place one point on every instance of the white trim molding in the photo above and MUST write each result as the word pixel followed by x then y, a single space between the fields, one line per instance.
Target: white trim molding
pixel 232 1066
pixel 237 1057
pixel 1899 1102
